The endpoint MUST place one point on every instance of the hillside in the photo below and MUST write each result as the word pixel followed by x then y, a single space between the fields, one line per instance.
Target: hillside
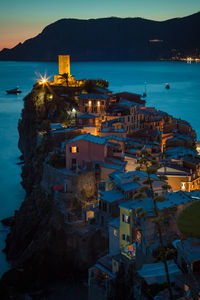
pixel 111 39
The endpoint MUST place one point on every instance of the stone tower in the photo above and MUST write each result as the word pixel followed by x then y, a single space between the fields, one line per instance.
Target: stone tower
pixel 64 64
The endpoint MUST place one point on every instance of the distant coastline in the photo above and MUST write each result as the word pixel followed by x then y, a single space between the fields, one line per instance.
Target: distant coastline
pixel 112 39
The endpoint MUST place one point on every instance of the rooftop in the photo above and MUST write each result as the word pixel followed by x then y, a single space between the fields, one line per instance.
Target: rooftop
pixel 172 199
pixel 146 205
pixel 88 137
pixel 56 126
pixel 176 198
pixel 129 104
pixel 111 196
pixel 190 246
pixel 113 166
pixel 129 186
pixel 177 152
pixel 191 158
pixel 127 177
pixel 150 271
pixel 86 116
pixel 112 129
pixel 93 96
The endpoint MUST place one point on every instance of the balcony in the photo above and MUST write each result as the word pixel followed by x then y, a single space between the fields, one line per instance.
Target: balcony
pixel 129 251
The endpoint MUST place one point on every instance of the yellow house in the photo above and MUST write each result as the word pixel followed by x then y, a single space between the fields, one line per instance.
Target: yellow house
pixel 130 228
pixel 126 230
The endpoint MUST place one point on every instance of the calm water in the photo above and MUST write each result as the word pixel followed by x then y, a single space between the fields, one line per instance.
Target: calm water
pixel 182 100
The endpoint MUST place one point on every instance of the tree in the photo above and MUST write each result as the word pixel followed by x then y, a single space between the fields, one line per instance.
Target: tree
pixel 150 166
pixel 66 77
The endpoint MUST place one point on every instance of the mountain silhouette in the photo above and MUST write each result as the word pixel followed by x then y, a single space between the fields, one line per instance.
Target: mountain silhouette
pixel 111 39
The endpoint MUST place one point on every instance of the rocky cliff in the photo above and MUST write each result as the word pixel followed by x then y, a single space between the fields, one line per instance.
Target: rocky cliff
pixel 41 246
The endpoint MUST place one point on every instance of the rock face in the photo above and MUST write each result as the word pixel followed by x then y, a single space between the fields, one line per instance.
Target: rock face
pixel 111 39
pixel 41 245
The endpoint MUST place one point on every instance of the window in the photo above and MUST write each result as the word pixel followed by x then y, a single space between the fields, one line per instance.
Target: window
pixel 126 219
pixel 86 109
pixel 126 237
pixel 127 196
pixel 74 149
pixel 73 163
pixel 115 232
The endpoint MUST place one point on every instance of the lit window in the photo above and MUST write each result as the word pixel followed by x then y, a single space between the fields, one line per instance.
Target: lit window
pixel 126 219
pixel 115 232
pixel 74 149
pixel 183 186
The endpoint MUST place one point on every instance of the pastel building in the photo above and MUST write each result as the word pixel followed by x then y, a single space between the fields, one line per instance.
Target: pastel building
pixel 118 189
pixel 88 149
pixel 93 103
pixel 185 176
pixel 113 126
pixel 140 233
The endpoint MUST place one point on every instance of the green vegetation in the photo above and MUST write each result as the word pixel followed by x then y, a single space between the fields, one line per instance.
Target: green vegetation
pixel 189 220
pixel 150 166
pixel 57 160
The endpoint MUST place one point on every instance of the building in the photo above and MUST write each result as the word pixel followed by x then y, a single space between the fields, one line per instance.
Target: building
pixel 93 103
pixel 65 78
pixel 93 151
pixel 139 232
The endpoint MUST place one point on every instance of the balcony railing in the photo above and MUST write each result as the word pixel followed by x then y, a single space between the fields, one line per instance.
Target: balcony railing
pixel 129 251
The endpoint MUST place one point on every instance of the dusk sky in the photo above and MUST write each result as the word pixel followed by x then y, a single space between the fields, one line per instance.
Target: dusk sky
pixel 22 19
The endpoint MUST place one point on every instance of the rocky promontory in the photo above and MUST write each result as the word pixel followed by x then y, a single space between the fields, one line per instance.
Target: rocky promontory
pixel 41 245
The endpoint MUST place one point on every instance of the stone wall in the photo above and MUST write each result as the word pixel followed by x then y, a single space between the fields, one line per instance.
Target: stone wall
pixel 70 181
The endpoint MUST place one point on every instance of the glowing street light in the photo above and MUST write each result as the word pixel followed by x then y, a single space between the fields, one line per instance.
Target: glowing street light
pixel 43 79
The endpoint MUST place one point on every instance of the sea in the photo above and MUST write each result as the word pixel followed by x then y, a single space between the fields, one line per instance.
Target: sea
pixel 182 100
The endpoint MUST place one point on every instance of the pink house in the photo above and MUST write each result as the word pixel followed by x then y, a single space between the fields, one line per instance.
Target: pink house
pixel 88 148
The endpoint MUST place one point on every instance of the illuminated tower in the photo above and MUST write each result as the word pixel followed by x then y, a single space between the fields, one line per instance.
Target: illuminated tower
pixel 64 64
